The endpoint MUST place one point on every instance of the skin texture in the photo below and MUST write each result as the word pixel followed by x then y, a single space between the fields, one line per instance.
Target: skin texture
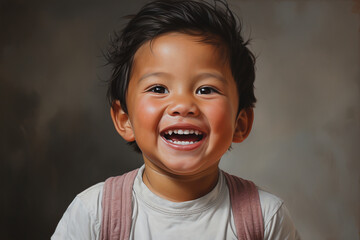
pixel 178 82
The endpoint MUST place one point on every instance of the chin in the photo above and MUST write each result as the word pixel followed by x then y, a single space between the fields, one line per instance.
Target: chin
pixel 185 167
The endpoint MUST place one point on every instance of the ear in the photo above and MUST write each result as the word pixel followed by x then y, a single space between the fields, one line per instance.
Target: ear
pixel 122 122
pixel 244 123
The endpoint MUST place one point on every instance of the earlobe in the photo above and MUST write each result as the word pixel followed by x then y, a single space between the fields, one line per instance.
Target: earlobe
pixel 121 121
pixel 244 123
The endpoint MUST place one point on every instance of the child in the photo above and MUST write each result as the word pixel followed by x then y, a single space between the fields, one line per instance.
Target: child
pixel 181 93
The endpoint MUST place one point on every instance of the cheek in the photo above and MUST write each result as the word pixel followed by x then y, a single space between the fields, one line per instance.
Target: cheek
pixel 220 115
pixel 146 107
pixel 146 114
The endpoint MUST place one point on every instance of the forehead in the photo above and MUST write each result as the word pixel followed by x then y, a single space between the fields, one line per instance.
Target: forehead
pixel 180 50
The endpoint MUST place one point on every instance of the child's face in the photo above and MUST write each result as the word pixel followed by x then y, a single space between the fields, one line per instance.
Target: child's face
pixel 182 105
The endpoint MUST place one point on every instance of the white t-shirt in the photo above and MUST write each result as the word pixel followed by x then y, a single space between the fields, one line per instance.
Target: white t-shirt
pixel 208 217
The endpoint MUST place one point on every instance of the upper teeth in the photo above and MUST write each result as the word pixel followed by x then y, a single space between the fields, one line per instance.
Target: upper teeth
pixel 181 132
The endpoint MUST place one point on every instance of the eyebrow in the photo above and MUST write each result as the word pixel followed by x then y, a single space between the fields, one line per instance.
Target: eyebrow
pixel 199 76
pixel 212 75
pixel 146 75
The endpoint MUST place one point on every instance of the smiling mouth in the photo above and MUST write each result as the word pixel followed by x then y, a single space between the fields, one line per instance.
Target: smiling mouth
pixel 182 136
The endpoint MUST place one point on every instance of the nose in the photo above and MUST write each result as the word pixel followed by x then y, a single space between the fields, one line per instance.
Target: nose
pixel 184 106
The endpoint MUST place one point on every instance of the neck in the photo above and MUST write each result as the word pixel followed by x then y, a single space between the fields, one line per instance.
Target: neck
pixel 179 188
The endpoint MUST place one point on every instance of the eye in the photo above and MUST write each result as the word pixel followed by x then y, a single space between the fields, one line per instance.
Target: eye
pixel 158 89
pixel 206 90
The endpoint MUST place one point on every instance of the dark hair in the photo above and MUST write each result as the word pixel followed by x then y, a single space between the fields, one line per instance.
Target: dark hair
pixel 215 24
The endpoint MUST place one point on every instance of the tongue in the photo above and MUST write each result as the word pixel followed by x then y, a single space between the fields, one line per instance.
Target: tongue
pixel 189 137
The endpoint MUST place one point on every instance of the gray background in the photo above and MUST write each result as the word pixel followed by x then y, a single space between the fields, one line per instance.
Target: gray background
pixel 57 138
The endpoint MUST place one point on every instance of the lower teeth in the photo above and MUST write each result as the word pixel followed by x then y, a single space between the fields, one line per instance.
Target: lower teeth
pixel 182 142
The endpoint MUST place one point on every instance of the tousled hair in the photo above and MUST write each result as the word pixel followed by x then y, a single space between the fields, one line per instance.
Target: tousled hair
pixel 214 23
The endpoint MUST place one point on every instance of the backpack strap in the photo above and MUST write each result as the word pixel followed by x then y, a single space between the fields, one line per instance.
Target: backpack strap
pixel 117 207
pixel 246 208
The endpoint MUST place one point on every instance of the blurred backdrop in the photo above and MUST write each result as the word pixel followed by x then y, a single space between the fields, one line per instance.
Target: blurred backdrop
pixel 57 138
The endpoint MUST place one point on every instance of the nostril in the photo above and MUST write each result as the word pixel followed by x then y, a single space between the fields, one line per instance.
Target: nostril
pixel 183 109
pixel 179 113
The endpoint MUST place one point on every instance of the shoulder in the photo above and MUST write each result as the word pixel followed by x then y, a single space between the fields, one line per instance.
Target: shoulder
pixel 82 219
pixel 277 221
pixel 270 205
pixel 91 198
pixel 88 202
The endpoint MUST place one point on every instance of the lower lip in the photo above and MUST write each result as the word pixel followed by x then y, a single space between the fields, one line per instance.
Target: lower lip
pixel 187 147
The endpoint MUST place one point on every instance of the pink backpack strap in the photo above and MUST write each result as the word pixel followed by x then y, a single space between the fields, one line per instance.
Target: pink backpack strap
pixel 246 208
pixel 117 207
